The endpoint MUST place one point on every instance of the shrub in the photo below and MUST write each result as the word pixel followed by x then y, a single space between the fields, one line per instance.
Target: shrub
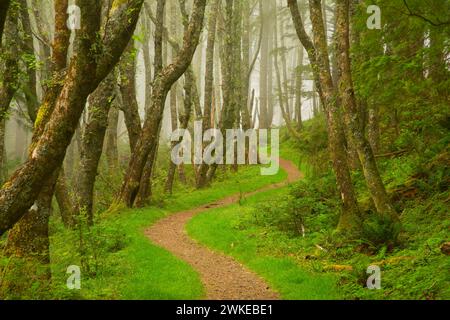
pixel 379 231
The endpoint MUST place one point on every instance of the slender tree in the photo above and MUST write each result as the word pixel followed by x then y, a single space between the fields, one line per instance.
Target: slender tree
pixel 111 151
pixel 100 102
pixel 209 81
pixel 9 68
pixel 148 141
pixel 127 85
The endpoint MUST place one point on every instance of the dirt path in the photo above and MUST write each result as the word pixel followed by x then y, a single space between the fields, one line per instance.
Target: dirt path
pixel 223 277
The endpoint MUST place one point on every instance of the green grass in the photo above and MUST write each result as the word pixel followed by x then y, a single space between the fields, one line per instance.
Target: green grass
pixel 123 263
pixel 222 229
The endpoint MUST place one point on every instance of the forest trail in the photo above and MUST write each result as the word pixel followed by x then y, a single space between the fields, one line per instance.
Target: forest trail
pixel 223 277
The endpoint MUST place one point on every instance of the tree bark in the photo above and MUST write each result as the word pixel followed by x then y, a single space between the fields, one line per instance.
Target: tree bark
pixel 9 68
pixel 128 91
pixel 247 65
pixel 319 58
pixel 373 127
pixel 264 67
pixel 64 200
pixel 209 82
pixel 148 141
pixel 299 88
pixel 3 159
pixel 92 144
pixel 29 237
pixel 19 193
pixel 352 115
pixel 282 97
pixel 111 151
pixel 173 100
pixel 145 187
pixel 282 51
pixel 4 5
pixel 29 87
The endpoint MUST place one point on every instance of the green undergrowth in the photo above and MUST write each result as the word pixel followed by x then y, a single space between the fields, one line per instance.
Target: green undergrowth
pixel 117 260
pixel 268 253
pixel 288 236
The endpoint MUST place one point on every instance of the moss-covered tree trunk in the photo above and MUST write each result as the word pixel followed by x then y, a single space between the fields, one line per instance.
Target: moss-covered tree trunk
pixel 3 158
pixel 145 187
pixel 373 126
pixel 319 58
pixel 4 5
pixel 350 215
pixel 92 144
pixel 29 87
pixel 47 155
pixel 352 115
pixel 9 68
pixel 64 200
pixel 28 240
pixel 127 85
pixel 147 144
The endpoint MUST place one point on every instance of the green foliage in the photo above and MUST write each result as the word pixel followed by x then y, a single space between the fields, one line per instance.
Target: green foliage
pixel 379 231
pixel 309 205
pixel 269 253
pixel 95 242
pixel 23 279
pixel 117 260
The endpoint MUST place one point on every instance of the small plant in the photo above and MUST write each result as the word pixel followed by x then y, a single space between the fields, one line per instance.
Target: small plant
pixel 95 242
pixel 380 231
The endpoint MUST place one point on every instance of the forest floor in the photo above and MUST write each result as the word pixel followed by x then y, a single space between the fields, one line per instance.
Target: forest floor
pixel 246 226
pixel 223 277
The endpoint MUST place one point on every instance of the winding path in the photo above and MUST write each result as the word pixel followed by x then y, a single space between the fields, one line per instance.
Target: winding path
pixel 223 277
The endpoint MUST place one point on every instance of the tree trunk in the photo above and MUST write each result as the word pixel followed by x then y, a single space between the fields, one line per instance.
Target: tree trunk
pixel 30 84
pixel 147 61
pixel 19 193
pixel 28 240
pixel 346 90
pixel 148 141
pixel 247 65
pixel 29 237
pixel 373 127
pixel 173 101
pixel 209 82
pixel 282 97
pixel 299 87
pixel 111 151
pixel 64 200
pixel 9 68
pixel 3 160
pixel 318 56
pixel 4 5
pixel 144 192
pixel 282 53
pixel 438 69
pixel 264 67
pixel 128 91
pixel 92 144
